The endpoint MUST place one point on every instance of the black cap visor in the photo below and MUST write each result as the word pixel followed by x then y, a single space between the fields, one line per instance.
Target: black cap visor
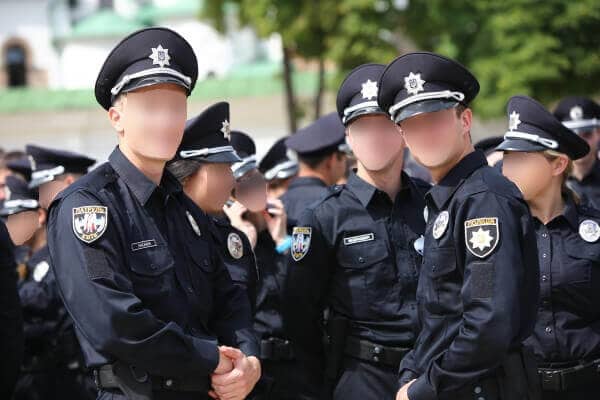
pixel 423 107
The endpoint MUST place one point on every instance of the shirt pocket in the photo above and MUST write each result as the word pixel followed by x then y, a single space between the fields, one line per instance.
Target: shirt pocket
pixel 442 281
pixel 576 267
pixel 152 273
pixel 363 278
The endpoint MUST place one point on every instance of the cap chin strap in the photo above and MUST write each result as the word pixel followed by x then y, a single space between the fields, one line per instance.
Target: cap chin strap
pixel 205 151
pixel 582 123
pixel 549 143
pixel 149 72
pixel 444 94
pixel 273 172
pixel 359 106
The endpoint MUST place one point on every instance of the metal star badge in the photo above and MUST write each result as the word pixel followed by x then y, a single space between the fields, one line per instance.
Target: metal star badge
pixel 160 56
pixel 413 83
pixel 226 130
pixel 369 89
pixel 513 120
pixel 576 113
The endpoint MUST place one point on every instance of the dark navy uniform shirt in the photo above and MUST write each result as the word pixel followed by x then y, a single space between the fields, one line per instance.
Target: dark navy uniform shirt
pixel 237 255
pixel 361 263
pixel 149 289
pixel 589 187
pixel 302 192
pixel 478 284
pixel 568 319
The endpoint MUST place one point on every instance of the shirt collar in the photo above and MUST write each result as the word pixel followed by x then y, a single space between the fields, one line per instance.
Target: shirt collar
pixel 307 181
pixel 140 185
pixel 570 212
pixel 442 192
pixel 364 191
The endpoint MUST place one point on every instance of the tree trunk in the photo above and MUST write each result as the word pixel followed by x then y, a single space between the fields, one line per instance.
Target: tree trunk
pixel 289 89
pixel 320 88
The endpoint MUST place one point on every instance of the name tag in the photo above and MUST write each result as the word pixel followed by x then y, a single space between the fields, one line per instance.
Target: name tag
pixel 144 244
pixel 367 237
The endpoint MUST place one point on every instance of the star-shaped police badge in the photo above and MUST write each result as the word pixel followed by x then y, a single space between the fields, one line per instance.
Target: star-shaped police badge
pixel 513 121
pixel 226 130
pixel 413 83
pixel 482 235
pixel 160 56
pixel 369 89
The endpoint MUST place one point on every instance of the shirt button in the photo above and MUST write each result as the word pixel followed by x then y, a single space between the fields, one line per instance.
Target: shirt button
pixel 477 389
pixel 169 382
pixel 544 255
pixel 544 278
pixel 190 289
pixel 361 260
pixel 544 235
pixel 548 329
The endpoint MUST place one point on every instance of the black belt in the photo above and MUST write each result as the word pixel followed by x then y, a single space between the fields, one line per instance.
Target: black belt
pixel 375 353
pixel 563 379
pixel 276 349
pixel 105 378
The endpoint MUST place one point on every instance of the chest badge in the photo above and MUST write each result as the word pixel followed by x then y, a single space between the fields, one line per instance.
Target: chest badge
pixel 482 236
pixel 419 245
pixel 589 230
pixel 235 245
pixel 89 222
pixel 40 271
pixel 193 223
pixel 301 236
pixel 440 224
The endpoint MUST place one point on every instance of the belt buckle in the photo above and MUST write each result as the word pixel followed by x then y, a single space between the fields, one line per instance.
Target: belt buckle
pixel 377 352
pixel 551 380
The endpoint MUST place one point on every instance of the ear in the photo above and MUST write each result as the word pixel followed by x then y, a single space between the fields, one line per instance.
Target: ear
pixel 69 179
pixel 42 216
pixel 559 165
pixel 466 118
pixel 115 115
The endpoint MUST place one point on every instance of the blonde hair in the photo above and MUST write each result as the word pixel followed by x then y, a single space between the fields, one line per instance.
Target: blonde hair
pixel 552 155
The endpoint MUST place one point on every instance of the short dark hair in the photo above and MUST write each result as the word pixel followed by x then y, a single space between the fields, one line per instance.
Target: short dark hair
pixel 182 169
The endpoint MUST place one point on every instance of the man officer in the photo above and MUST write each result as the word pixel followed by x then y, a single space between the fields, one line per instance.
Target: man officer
pixel 478 284
pixel 356 253
pixel 132 255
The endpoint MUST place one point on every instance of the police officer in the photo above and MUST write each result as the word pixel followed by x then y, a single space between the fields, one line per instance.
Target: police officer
pixel 478 284
pixel 488 147
pixel 263 218
pixel 203 166
pixel 356 252
pixel 321 154
pixel 279 166
pixel 133 257
pixel 582 115
pixel 11 319
pixel 52 365
pixel 538 155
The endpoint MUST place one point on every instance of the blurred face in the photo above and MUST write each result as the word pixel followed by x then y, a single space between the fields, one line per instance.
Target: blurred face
pixel 251 191
pixel 4 172
pixel 591 137
pixel 22 226
pixel 49 190
pixel 436 139
pixel 376 141
pixel 532 172
pixel 150 120
pixel 210 186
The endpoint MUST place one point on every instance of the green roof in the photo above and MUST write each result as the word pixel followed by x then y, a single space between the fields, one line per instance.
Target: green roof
pixel 104 23
pixel 151 13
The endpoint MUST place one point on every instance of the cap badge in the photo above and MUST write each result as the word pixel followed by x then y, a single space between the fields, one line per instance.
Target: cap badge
pixel 513 121
pixel 576 113
pixel 369 89
pixel 226 130
pixel 160 56
pixel 413 83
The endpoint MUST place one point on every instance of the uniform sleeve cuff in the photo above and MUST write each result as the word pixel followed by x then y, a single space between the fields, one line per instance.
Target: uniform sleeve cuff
pixel 421 390
pixel 407 376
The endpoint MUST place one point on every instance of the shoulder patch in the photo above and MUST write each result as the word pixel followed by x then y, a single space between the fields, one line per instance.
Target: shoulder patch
pixel 482 236
pixel 301 236
pixel 235 245
pixel 89 222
